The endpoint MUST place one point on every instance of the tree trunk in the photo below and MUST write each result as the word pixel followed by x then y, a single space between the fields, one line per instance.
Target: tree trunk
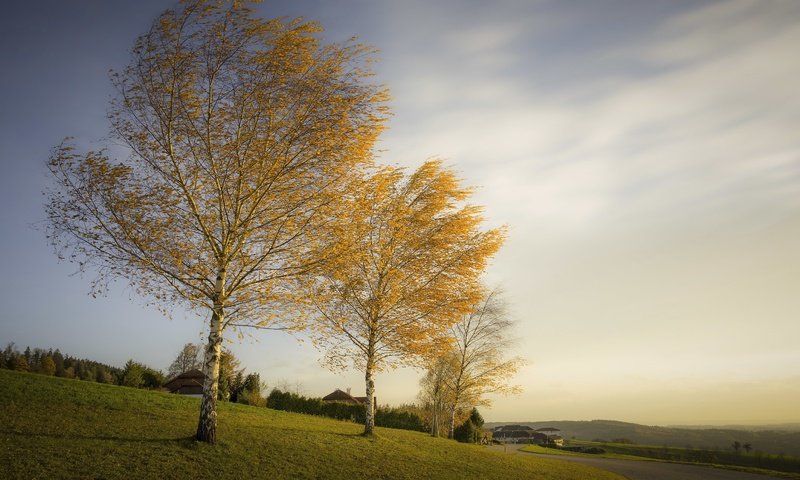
pixel 207 425
pixel 452 428
pixel 369 418
pixel 435 419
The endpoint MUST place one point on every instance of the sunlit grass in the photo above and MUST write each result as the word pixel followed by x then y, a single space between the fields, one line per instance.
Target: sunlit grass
pixel 56 428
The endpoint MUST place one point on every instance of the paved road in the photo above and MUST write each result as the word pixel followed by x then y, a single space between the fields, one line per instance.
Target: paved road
pixel 643 470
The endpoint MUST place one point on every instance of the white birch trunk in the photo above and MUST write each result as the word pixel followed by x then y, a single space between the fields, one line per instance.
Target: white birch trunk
pixel 452 428
pixel 369 418
pixel 207 425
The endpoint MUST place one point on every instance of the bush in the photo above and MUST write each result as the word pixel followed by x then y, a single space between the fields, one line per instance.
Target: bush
pixel 384 416
pixel 252 397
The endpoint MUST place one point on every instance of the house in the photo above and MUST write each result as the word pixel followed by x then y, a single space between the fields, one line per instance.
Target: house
pixel 552 437
pixel 519 434
pixel 345 397
pixel 187 383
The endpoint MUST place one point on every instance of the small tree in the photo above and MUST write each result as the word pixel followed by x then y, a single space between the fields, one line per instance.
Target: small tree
pixel 48 366
pixel 19 363
pixel 470 430
pixel 58 358
pixel 737 446
pixel 251 389
pixel 190 357
pixel 747 447
pixel 435 395
pixel 481 340
pixel 152 378
pixel 409 262
pixel 230 375
pixel 132 375
pixel 240 131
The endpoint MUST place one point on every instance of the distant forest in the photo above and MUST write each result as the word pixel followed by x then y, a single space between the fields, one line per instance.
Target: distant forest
pixel 54 363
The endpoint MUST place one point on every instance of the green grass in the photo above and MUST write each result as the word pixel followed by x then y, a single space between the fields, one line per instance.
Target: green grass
pixel 567 453
pixel 625 451
pixel 59 428
pixel 550 451
pixel 692 455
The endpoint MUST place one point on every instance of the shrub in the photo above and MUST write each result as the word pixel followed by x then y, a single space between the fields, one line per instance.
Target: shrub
pixel 384 416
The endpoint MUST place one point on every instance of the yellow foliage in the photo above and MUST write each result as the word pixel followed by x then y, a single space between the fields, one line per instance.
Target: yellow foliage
pixel 410 254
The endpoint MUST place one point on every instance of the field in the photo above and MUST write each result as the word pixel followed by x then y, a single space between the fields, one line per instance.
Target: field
pixel 686 455
pixel 60 428
pixel 779 466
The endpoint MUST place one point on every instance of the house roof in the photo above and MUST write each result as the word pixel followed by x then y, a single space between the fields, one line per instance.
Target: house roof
pixel 192 378
pixel 508 428
pixel 341 396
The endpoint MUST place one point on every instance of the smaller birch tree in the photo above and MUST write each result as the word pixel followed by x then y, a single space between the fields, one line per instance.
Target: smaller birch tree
pixel 410 258
pixel 435 395
pixel 479 357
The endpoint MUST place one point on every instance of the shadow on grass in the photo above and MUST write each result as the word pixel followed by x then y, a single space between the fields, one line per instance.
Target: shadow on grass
pixel 185 442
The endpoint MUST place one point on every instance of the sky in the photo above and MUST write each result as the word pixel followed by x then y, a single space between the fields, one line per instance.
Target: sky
pixel 645 156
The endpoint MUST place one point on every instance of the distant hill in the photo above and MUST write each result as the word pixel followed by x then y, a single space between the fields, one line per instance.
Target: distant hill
pixel 779 427
pixel 783 441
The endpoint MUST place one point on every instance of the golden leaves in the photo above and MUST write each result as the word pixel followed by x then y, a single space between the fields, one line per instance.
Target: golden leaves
pixel 409 257
pixel 241 132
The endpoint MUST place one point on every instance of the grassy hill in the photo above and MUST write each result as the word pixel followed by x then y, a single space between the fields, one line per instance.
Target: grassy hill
pixel 768 441
pixel 60 428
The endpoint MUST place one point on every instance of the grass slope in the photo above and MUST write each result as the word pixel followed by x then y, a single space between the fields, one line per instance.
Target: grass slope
pixel 59 428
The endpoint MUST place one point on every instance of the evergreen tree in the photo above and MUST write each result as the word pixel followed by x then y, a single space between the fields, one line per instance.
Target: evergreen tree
pixel 152 378
pixel 132 375
pixel 58 359
pixel 465 432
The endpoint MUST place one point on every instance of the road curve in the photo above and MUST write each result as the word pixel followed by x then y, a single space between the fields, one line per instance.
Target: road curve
pixel 643 470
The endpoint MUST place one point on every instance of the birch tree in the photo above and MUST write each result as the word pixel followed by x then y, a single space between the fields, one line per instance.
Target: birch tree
pixel 238 133
pixel 412 255
pixel 479 360
pixel 435 394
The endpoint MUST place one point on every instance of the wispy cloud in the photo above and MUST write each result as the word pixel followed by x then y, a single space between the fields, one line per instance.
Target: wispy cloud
pixel 698 109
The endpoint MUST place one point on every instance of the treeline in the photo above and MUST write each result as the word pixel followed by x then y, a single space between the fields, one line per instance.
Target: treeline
pixel 404 417
pixel 235 385
pixel 756 459
pixel 54 363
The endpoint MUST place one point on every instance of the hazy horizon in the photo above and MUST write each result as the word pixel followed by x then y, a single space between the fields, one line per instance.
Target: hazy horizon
pixel 645 156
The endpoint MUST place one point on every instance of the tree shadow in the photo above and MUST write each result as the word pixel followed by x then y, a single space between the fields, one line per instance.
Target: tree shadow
pixel 185 442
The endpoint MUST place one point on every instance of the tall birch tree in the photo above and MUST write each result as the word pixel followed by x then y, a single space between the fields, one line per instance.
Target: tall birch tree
pixel 411 256
pixel 239 132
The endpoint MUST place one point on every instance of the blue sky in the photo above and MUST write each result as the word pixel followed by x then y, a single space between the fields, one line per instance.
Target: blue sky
pixel 644 154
